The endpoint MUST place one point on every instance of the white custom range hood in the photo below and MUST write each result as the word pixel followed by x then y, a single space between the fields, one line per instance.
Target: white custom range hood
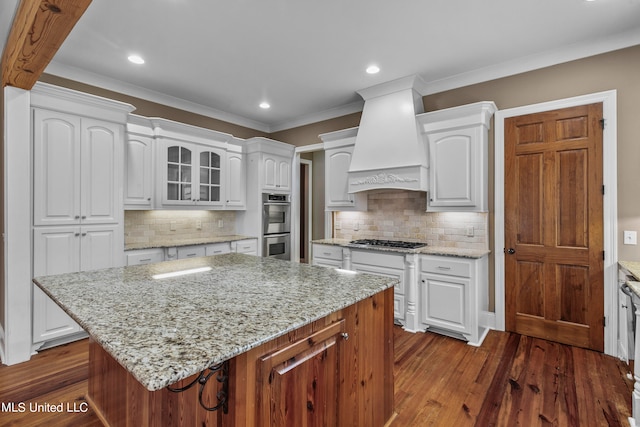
pixel 389 151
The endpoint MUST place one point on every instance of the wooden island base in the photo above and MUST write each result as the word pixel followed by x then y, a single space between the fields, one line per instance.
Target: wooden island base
pixel 337 371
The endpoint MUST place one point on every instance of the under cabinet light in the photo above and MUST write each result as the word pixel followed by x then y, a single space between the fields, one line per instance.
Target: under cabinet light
pixel 181 273
pixel 265 105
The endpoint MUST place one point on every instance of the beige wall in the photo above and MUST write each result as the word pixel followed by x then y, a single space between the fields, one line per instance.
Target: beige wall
pixel 615 70
pixel 153 109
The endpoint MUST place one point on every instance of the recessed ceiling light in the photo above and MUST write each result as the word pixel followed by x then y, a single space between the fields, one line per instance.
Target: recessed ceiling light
pixel 373 69
pixel 265 105
pixel 136 59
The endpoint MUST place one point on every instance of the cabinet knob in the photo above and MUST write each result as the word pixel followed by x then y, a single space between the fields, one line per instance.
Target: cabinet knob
pixel 511 251
pixel 84 234
pixel 76 234
pixel 148 199
pixel 344 336
pixel 84 217
pixel 77 217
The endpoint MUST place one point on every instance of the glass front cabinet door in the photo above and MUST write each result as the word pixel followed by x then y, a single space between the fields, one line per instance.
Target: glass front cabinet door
pixel 193 175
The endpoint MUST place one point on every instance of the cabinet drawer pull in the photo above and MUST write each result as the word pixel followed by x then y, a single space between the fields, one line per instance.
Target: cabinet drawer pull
pixel 440 267
pixel 246 247
pixel 326 253
pixel 190 255
pixel 145 260
pixel 217 252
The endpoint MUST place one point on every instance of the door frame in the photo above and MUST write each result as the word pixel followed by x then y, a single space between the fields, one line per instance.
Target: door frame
pixel 610 205
pixel 295 203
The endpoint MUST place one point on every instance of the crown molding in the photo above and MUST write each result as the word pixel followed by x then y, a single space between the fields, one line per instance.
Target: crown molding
pixel 93 79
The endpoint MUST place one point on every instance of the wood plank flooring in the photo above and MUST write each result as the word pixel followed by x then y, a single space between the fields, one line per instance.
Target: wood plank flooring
pixel 510 380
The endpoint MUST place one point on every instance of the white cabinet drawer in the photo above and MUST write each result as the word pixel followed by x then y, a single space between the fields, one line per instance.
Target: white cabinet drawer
pixel 191 251
pixel 378 258
pixel 146 256
pixel 327 252
pixel 246 246
pixel 217 249
pixel 442 265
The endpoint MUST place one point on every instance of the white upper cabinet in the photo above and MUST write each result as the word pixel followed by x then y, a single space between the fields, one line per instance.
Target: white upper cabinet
pixel 77 172
pixel 138 156
pixel 277 173
pixel 192 165
pixel 458 147
pixel 236 180
pixel 193 174
pixel 269 166
pixel 338 150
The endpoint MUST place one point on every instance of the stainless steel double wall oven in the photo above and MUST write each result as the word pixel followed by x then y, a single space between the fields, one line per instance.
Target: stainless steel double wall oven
pixel 276 226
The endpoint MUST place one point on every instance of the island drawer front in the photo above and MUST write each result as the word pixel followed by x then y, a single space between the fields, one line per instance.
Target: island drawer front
pixel 328 251
pixel 441 265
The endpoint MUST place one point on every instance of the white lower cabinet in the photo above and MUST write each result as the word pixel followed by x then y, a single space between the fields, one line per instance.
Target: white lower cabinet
pixel 452 295
pixel 217 249
pixel 61 249
pixel 327 255
pixel 191 251
pixel 386 265
pixel 248 246
pixel 144 256
pixel 444 294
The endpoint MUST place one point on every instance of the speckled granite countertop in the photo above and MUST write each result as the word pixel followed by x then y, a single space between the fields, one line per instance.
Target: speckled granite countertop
pixel 186 242
pixel 426 250
pixel 165 330
pixel 632 267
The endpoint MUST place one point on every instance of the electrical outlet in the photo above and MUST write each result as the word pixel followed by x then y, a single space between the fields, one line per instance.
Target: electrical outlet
pixel 630 237
pixel 356 226
pixel 220 223
pixel 199 224
pixel 338 225
pixel 172 226
pixel 470 231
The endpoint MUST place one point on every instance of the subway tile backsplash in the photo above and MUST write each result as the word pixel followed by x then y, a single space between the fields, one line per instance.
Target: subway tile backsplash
pixel 400 215
pixel 156 226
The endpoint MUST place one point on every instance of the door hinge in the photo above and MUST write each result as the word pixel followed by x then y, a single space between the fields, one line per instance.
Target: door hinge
pixel 603 258
pixel 604 321
pixel 603 189
pixel 602 123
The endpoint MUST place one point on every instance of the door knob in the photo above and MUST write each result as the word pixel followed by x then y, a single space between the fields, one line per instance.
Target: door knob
pixel 511 251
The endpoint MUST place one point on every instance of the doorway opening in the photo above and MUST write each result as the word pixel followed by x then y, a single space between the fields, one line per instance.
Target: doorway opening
pixel 305 210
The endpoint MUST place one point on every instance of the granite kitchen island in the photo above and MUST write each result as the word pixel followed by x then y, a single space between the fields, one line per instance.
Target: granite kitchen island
pixel 261 341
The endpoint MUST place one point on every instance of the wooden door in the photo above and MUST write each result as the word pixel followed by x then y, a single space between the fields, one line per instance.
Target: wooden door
pixel 298 385
pixel 554 226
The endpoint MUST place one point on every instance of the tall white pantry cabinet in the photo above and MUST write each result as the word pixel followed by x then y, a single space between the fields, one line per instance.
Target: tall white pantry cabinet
pixel 78 161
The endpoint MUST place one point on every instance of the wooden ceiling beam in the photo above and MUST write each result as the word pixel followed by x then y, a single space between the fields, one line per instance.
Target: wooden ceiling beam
pixel 39 29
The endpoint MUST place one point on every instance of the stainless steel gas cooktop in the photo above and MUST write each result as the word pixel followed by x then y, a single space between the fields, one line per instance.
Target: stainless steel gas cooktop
pixel 387 243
